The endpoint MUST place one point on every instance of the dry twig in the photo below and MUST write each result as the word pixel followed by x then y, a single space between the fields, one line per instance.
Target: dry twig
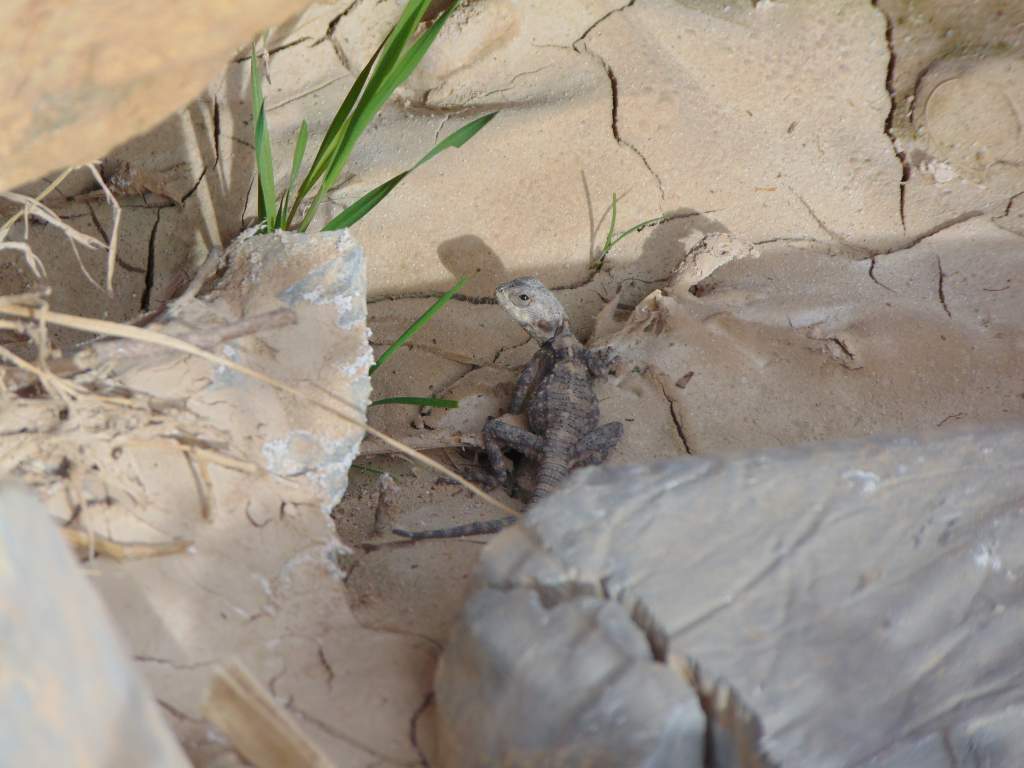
pixel 115 213
pixel 326 401
pixel 261 731
pixel 91 544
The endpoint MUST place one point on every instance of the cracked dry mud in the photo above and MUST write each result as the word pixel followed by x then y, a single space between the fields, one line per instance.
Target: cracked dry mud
pixel 849 143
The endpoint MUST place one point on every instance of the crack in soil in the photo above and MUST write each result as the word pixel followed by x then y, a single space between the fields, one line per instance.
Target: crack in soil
pixel 846 357
pixel 863 252
pixel 178 714
pixel 215 141
pixel 601 21
pixel 795 239
pixel 245 204
pixel 147 291
pixel 1009 206
pixel 271 51
pixel 507 87
pixel 328 36
pixel 413 722
pixel 875 280
pixel 836 237
pixel 580 46
pixel 216 131
pixel 613 84
pixel 342 736
pixel 901 156
pixel 508 348
pixel 951 417
pixel 119 260
pixel 325 664
pixel 942 288
pixel 195 186
pixel 304 94
pixel 434 295
pixel 659 379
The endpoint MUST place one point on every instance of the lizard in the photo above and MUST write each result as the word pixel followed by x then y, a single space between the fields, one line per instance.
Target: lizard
pixel 557 390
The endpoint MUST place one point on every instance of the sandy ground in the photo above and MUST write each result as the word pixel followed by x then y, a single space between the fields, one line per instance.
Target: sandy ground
pixel 868 154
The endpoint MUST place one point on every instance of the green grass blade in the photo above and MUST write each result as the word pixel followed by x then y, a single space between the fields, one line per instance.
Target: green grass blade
pixel 338 141
pixel 412 57
pixel 396 42
pixel 264 162
pixel 389 75
pixel 329 144
pixel 265 171
pixel 636 228
pixel 256 89
pixel 420 322
pixel 430 402
pixel 371 470
pixel 369 201
pixel 611 227
pixel 300 152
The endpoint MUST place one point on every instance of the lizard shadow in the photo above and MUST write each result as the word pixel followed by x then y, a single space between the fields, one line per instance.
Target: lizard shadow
pixel 469 256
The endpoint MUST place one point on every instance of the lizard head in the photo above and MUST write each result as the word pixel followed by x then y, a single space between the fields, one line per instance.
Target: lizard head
pixel 533 306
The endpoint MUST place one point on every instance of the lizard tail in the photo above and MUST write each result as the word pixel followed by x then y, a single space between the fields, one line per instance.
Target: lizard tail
pixel 469 529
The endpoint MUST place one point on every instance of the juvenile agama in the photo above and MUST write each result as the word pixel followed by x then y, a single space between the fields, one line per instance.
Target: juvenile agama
pixel 557 390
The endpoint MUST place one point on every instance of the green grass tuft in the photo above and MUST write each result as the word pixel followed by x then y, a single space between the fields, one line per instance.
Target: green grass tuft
pixel 390 66
pixel 611 238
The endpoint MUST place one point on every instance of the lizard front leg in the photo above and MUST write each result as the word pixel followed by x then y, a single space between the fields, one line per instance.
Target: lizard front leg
pixel 595 446
pixel 533 371
pixel 601 361
pixel 499 435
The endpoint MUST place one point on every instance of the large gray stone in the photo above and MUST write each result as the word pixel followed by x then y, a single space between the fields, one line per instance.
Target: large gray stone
pixel 858 602
pixel 550 685
pixel 69 694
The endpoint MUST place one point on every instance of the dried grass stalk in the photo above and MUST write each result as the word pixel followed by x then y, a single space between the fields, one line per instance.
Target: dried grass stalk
pixel 261 731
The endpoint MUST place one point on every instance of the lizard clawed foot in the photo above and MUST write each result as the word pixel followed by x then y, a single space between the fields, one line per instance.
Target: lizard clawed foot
pixel 485 478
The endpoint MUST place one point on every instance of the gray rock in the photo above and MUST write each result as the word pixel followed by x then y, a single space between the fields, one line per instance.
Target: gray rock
pixel 69 695
pixel 573 683
pixel 859 603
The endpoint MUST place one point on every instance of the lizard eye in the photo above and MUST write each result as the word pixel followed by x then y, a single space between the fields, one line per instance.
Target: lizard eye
pixel 524 298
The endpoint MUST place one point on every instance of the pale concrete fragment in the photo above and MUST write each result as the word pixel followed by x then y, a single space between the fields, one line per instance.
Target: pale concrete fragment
pixel 265 582
pixel 710 252
pixel 800 345
pixel 198 451
pixel 859 598
pixel 69 694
